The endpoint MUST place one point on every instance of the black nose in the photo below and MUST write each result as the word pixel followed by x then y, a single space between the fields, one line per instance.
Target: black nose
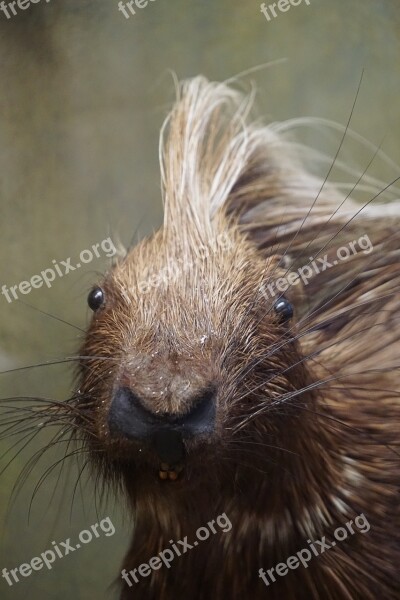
pixel 129 418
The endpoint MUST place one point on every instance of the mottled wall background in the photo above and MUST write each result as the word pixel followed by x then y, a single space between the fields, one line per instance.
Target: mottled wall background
pixel 83 92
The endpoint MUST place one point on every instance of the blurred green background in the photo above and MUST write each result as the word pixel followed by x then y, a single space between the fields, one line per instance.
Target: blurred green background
pixel 83 93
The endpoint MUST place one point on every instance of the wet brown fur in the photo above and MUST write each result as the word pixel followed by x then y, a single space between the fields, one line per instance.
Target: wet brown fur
pixel 308 414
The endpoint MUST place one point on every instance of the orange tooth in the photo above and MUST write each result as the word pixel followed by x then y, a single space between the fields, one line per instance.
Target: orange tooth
pixel 163 474
pixel 173 475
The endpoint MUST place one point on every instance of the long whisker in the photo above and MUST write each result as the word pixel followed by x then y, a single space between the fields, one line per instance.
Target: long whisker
pixel 332 165
pixel 47 314
pixel 68 359
pixel 313 386
pixel 336 211
pixel 288 339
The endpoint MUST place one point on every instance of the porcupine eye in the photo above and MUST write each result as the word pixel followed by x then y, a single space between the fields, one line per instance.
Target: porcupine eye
pixel 96 298
pixel 283 309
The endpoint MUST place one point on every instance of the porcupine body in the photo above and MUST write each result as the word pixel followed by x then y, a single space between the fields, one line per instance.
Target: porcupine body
pixel 210 397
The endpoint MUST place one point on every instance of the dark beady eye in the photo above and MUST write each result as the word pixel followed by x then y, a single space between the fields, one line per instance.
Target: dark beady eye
pixel 283 309
pixel 96 298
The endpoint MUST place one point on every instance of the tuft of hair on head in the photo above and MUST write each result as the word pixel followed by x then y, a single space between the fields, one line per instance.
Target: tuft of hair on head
pixel 213 160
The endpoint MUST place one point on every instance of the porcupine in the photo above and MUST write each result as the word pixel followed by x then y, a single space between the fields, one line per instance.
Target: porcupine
pixel 210 391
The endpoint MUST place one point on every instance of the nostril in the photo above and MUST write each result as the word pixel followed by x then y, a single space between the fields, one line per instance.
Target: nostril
pixel 201 418
pixel 128 417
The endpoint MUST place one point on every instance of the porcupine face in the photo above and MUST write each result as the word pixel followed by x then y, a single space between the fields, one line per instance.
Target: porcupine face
pixel 185 350
pixel 187 363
